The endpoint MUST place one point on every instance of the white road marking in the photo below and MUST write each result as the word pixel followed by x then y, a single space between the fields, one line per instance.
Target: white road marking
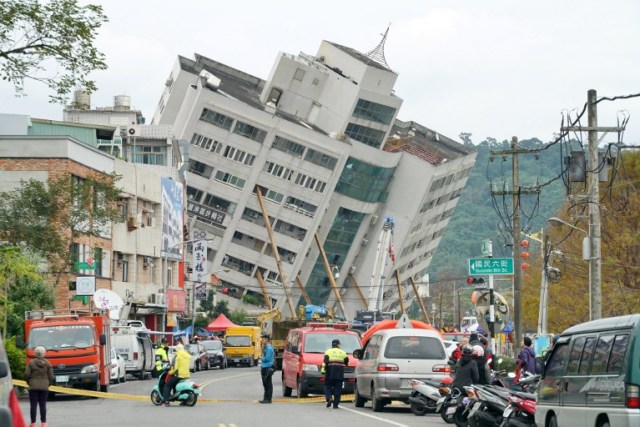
pixel 384 420
pixel 206 383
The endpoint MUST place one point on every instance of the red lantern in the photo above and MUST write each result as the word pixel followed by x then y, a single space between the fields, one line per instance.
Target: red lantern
pixel 524 266
pixel 524 255
pixel 524 243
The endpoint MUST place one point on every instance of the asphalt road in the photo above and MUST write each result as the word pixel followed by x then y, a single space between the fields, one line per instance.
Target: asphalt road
pixel 236 391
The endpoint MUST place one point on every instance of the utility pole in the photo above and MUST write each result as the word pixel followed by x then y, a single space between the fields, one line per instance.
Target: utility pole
pixel 593 196
pixel 516 192
pixel 594 207
pixel 544 286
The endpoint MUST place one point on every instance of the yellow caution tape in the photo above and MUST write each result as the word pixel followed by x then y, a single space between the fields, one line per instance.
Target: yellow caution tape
pixel 123 396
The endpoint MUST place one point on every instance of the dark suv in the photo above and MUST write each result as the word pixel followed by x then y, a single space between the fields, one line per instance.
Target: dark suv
pixel 215 354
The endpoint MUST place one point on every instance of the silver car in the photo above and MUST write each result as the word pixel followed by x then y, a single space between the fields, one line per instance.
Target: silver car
pixel 391 359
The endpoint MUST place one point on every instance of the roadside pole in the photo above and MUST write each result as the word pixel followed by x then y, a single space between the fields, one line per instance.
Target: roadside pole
pixel 492 316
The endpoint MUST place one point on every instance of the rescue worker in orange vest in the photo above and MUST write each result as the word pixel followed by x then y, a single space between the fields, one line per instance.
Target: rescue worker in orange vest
pixel 335 359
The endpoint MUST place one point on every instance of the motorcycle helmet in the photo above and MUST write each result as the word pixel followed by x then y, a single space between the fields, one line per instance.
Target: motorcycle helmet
pixel 467 350
pixel 478 351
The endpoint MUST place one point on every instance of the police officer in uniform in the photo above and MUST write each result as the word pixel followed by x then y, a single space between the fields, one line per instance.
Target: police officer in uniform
pixel 162 357
pixel 335 359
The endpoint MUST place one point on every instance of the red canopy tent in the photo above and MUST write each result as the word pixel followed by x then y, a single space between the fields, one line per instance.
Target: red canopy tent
pixel 220 323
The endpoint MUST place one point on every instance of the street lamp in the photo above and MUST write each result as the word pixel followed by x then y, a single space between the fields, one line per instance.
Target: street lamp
pixel 586 255
pixel 193 300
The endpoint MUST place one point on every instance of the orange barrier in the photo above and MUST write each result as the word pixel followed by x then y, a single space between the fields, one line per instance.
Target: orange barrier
pixel 391 324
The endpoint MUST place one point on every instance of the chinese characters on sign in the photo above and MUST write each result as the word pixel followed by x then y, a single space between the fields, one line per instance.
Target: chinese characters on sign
pixel 200 268
pixel 206 212
pixel 483 266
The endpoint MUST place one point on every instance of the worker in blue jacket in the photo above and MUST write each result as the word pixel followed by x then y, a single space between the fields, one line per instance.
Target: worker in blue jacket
pixel 267 368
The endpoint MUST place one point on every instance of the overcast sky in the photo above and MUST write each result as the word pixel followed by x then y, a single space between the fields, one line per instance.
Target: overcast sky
pixel 492 68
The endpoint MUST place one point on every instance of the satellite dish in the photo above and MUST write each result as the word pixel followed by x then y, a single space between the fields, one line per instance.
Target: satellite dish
pixel 108 300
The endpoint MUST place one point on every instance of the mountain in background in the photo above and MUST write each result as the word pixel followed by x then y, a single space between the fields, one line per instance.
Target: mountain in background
pixel 480 216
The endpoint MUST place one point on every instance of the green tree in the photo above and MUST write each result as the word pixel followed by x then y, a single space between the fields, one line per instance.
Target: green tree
pixel 568 301
pixel 49 217
pixel 222 307
pixel 17 358
pixel 36 34
pixel 238 316
pixel 23 289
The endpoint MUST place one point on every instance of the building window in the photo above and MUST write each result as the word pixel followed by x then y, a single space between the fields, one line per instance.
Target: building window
pixel 150 155
pixel 364 182
pixel 250 131
pixel 311 183
pixel 375 112
pixel 321 159
pixel 200 168
pixel 206 143
pixel 194 194
pixel 216 119
pixel 299 74
pixel 239 155
pixel 366 135
pixel 97 262
pixel 227 178
pixel 287 146
pixel 274 196
pixel 278 171
pixel 274 95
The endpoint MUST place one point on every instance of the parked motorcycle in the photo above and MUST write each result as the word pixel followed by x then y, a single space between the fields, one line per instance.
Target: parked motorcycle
pixel 426 394
pixel 186 391
pixel 522 405
pixel 447 404
pixel 465 403
pixel 488 411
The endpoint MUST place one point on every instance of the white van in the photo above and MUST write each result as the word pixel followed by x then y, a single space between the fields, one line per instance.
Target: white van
pixel 135 347
pixel 392 358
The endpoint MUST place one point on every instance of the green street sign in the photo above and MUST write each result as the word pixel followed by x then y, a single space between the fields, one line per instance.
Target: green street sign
pixel 488 266
pixel 83 266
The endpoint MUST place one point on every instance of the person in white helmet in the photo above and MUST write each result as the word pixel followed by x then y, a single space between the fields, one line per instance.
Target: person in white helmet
pixel 481 360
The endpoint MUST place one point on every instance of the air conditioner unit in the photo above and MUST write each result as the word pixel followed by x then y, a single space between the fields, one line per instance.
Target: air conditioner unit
pixel 119 257
pixel 147 261
pixel 352 269
pixel 364 242
pixel 139 219
pixel 157 299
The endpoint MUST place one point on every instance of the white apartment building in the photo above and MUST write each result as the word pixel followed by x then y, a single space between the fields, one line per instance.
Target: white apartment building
pixel 321 139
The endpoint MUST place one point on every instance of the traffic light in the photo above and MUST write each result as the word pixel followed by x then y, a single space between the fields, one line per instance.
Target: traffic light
pixel 476 281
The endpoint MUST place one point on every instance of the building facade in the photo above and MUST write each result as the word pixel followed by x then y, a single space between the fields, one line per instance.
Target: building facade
pixel 129 258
